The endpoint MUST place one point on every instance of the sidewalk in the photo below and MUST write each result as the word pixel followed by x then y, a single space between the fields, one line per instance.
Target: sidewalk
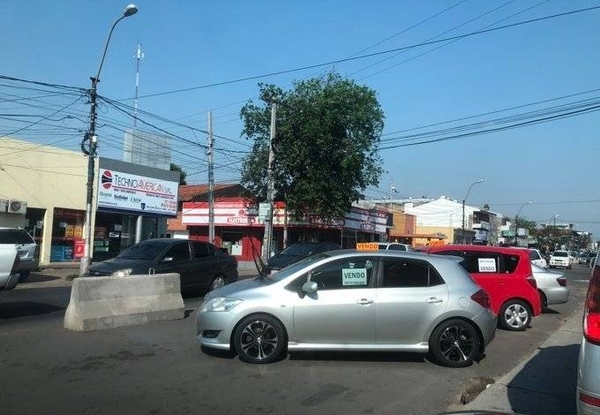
pixel 542 384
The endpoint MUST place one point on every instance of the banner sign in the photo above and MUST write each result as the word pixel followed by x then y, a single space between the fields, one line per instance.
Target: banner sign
pixel 124 191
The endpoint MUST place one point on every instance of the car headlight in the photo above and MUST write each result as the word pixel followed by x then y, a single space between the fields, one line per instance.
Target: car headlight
pixel 122 272
pixel 219 304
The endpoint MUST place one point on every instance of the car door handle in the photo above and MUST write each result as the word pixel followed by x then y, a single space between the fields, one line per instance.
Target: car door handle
pixel 364 301
pixel 434 300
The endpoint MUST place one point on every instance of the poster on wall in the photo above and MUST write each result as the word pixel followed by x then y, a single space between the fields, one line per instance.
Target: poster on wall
pixel 124 191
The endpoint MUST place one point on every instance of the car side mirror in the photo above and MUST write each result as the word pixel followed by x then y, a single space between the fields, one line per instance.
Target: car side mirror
pixel 310 287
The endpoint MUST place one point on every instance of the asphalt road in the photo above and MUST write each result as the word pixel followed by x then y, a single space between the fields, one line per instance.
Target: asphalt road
pixel 159 368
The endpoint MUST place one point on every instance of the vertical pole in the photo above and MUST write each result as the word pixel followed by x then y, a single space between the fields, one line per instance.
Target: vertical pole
pixel 270 190
pixel 211 180
pixel 139 224
pixel 90 151
pixel 463 222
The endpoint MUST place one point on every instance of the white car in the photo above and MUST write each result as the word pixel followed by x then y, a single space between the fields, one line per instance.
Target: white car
pixel 588 367
pixel 9 263
pixel 560 259
pixel 552 286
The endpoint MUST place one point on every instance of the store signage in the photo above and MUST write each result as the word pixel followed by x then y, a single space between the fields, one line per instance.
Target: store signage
pixel 124 191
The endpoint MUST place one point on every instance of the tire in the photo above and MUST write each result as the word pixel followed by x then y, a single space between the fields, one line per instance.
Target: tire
pixel 23 275
pixel 514 315
pixel 543 299
pixel 259 338
pixel 217 282
pixel 454 343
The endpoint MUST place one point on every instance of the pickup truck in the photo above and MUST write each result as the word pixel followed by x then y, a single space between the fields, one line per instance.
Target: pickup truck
pixel 9 265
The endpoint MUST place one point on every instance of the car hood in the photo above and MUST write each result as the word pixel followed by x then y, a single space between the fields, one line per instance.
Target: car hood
pixel 280 261
pixel 239 288
pixel 138 266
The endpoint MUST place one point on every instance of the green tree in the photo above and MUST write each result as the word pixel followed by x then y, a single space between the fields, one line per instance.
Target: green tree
pixel 183 173
pixel 328 131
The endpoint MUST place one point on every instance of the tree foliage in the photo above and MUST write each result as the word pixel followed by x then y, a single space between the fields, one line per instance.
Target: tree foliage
pixel 326 144
pixel 182 173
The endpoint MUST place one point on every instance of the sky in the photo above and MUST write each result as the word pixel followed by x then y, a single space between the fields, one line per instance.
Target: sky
pixel 481 97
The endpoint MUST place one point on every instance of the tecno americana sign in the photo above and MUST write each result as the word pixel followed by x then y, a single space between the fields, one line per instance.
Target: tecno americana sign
pixel 124 191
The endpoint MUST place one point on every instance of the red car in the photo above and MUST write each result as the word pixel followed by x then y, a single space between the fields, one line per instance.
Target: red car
pixel 505 273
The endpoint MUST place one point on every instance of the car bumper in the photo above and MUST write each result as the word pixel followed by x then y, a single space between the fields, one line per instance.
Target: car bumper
pixel 588 378
pixel 559 264
pixel 556 295
pixel 213 329
pixel 487 322
pixel 11 282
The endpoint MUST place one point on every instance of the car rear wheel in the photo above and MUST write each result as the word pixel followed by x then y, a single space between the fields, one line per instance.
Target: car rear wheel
pixel 23 275
pixel 514 315
pixel 454 343
pixel 217 282
pixel 259 339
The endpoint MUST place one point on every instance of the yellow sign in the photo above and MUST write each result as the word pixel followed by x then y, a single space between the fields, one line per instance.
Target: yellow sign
pixel 367 246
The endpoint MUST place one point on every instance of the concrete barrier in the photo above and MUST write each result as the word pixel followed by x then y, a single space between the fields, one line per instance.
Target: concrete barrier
pixel 107 302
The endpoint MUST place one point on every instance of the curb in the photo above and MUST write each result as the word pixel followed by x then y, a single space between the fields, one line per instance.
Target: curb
pixel 524 386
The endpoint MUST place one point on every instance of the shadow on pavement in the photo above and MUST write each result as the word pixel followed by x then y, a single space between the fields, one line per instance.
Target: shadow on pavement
pixel 546 384
pixel 16 309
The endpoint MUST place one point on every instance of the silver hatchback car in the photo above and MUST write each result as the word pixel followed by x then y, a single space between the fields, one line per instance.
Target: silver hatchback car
pixel 351 300
pixel 588 368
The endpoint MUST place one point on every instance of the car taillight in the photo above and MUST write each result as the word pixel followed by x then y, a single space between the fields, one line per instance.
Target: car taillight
pixel 562 281
pixel 591 319
pixel 482 298
pixel 590 400
pixel 531 280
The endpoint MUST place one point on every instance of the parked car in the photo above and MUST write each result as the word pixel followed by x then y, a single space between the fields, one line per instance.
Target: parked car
pixel 560 259
pixel 200 264
pixel 26 246
pixel 536 257
pixel 588 367
pixel 9 265
pixel 351 300
pixel 297 251
pixel 506 274
pixel 552 286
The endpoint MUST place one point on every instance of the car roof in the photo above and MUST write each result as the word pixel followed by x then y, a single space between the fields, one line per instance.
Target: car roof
pixel 484 248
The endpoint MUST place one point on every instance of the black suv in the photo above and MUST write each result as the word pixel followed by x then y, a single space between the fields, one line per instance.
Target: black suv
pixel 26 247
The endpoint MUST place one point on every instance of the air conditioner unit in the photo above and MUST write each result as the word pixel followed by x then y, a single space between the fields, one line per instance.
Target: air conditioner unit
pixel 3 205
pixel 17 206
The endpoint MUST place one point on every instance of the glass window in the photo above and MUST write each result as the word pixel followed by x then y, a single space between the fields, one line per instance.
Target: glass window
pixel 179 252
pixel 347 273
pixel 405 273
pixel 201 249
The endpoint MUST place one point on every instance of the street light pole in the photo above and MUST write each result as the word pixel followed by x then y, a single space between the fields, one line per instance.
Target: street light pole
pixel 516 219
pixel 89 146
pixel 268 235
pixel 463 208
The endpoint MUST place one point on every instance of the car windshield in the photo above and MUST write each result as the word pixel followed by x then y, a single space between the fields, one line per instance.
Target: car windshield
pixel 299 249
pixel 287 271
pixel 146 250
pixel 561 253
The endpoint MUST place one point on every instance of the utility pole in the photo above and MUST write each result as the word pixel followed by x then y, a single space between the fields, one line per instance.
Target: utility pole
pixel 211 182
pixel 139 224
pixel 268 237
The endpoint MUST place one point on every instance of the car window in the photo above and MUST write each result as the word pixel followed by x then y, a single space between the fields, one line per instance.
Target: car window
pixel 482 262
pixel 405 273
pixel 533 255
pixel 178 252
pixel 299 249
pixel 560 254
pixel 146 250
pixel 15 236
pixel 201 249
pixel 347 273
pixel 397 247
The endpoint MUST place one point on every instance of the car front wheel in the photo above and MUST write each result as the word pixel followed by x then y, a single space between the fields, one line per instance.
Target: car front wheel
pixel 514 315
pixel 259 338
pixel 454 343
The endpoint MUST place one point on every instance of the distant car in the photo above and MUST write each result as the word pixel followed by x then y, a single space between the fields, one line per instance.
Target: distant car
pixel 394 246
pixel 9 264
pixel 588 368
pixel 350 300
pixel 297 251
pixel 26 246
pixel 560 259
pixel 536 257
pixel 200 264
pixel 506 274
pixel 552 286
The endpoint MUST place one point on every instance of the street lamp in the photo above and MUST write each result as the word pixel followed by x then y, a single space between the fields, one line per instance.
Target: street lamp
pixel 89 145
pixel 516 218
pixel 463 208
